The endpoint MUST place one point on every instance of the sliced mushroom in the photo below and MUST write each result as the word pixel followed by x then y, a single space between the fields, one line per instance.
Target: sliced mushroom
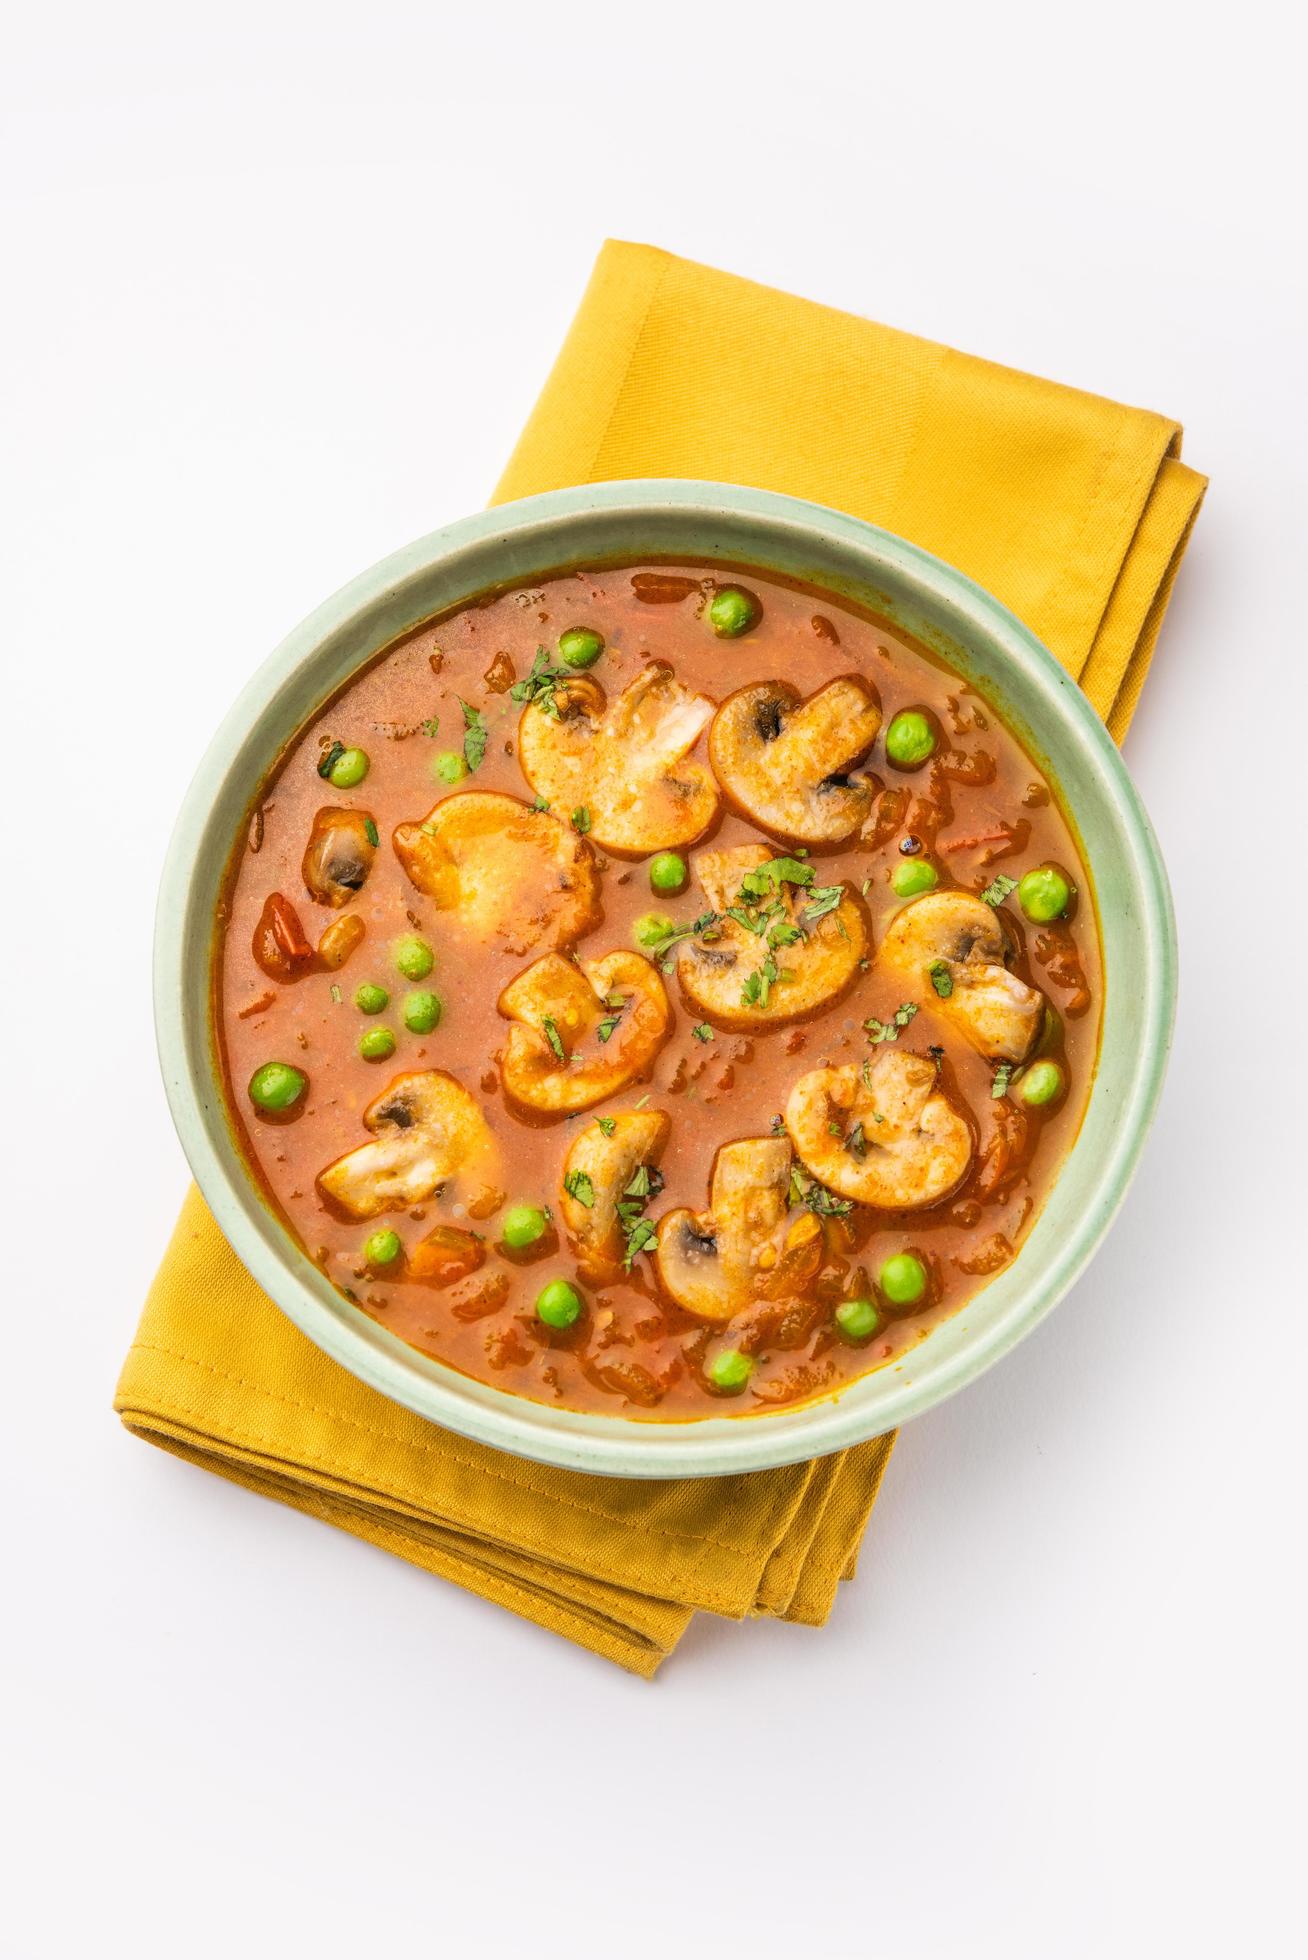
pixel 279 945
pixel 748 1245
pixel 880 1132
pixel 743 978
pixel 956 945
pixel 505 871
pixel 596 1172
pixel 342 846
pixel 624 761
pixel 784 761
pixel 427 1130
pixel 581 1031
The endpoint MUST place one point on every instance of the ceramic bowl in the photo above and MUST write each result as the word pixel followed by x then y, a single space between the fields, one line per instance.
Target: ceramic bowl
pixel 708 522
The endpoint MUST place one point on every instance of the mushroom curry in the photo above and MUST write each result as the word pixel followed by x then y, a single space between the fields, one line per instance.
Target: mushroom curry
pixel 660 991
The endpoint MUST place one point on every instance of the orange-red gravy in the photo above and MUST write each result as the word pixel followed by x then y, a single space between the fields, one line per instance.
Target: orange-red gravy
pixel 633 1353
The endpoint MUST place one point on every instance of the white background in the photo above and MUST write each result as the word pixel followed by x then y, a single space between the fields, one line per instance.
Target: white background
pixel 283 282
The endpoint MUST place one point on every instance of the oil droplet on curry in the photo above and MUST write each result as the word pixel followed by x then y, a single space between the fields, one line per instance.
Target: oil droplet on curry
pixel 662 991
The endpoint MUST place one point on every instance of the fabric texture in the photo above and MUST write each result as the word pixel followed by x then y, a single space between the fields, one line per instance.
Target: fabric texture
pixel 1075 512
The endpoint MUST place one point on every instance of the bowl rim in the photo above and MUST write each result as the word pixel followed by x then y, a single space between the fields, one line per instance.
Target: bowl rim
pixel 601 1443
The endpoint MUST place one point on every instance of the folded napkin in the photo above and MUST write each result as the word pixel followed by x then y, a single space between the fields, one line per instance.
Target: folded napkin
pixel 1075 512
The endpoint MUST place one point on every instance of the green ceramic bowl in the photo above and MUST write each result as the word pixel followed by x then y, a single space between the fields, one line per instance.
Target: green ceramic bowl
pixel 707 522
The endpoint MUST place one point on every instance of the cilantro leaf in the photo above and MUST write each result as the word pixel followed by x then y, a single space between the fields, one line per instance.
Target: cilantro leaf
pixel 608 1124
pixel 475 737
pixel 889 1030
pixel 432 726
pixel 998 889
pixel 1003 1076
pixel 941 978
pixel 805 1190
pixel 640 1235
pixel 329 761
pixel 822 899
pixel 856 1141
pixel 581 820
pixel 370 832
pixel 539 685
pixel 579 1185
pixel 702 1031
pixel 554 1038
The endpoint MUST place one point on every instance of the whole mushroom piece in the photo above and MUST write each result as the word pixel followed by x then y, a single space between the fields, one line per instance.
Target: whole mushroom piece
pixel 955 945
pixel 342 845
pixel 625 762
pixel 597 1170
pixel 505 871
pixel 880 1132
pixel 776 955
pixel 581 1031
pixel 784 761
pixel 747 1246
pixel 426 1130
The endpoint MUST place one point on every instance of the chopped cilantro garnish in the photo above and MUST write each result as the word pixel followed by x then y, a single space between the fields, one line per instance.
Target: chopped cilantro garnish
pixel 370 832
pixel 539 805
pixel 889 1030
pixel 606 1027
pixel 771 876
pixel 336 994
pixel 432 725
pixel 759 984
pixel 821 900
pixel 998 889
pixel 640 1235
pixel 539 685
pixel 579 1185
pixel 476 732
pixel 941 978
pixel 856 1141
pixel 330 759
pixel 581 820
pixel 805 1190
pixel 702 1031
pixel 692 931
pixel 608 1124
pixel 1003 1076
pixel 554 1038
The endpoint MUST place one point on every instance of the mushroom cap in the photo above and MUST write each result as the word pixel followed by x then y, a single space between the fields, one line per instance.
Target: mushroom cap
pixel 610 1162
pixel 574 999
pixel 338 857
pixel 998 1013
pixel 426 1130
pixel 625 761
pixel 818 967
pixel 782 760
pixel 747 1246
pixel 901 1142
pixel 505 871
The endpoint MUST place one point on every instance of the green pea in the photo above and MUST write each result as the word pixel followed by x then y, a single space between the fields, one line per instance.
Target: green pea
pixel 732 612
pixel 729 1370
pixel 449 766
pixel 382 1249
pixel 377 1045
pixel 857 1320
pixel 668 873
pixel 422 1012
pixel 277 1085
pixel 653 927
pixel 1043 1083
pixel 349 768
pixel 910 739
pixel 558 1304
pixel 912 876
pixel 903 1279
pixel 1044 894
pixel 370 999
pixel 413 956
pixel 579 647
pixel 524 1225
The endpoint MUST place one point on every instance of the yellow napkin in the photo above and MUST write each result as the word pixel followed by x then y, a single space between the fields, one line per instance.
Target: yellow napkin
pixel 1073 510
